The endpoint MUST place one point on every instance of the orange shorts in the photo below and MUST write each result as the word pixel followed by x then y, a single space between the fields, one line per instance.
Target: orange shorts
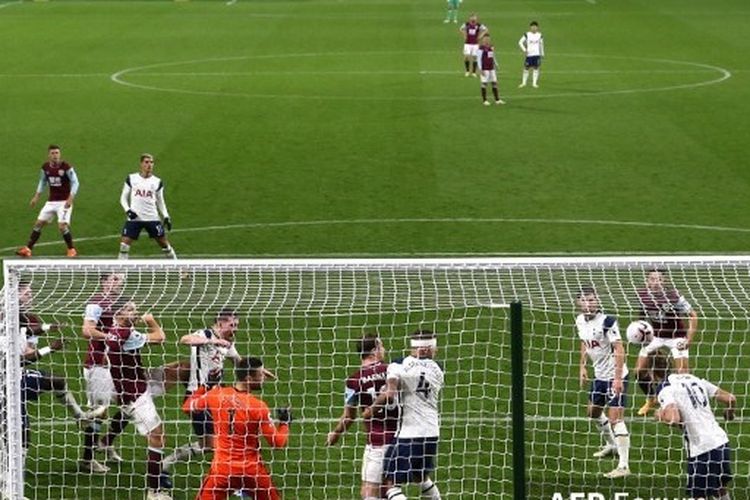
pixel 253 478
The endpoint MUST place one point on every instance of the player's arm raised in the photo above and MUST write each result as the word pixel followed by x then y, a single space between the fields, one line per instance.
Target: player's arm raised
pixel 155 333
pixel 191 340
pixel 276 436
pixel 90 320
pixel 345 421
pixel 692 327
pixel 583 374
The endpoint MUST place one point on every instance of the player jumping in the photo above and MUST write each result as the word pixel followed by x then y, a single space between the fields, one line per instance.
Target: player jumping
pixel 361 389
pixel 142 199
pixel 666 309
pixel 472 31
pixel 61 178
pixel 532 46
pixel 488 66
pixel 417 382
pixel 240 419
pixel 601 342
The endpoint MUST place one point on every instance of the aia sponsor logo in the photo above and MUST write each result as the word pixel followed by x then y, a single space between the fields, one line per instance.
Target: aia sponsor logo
pixel 144 193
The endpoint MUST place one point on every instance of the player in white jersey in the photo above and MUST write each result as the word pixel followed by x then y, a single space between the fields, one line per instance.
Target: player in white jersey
pixel 142 199
pixel 416 384
pixel 685 403
pixel 209 348
pixel 532 46
pixel 601 342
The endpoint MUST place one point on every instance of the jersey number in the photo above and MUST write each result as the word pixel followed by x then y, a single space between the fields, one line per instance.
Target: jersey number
pixel 696 394
pixel 423 387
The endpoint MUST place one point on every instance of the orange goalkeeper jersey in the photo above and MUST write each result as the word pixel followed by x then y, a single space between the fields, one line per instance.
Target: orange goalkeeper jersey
pixel 239 419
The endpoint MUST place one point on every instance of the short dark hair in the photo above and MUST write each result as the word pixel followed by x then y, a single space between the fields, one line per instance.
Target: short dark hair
pixel 367 344
pixel 423 335
pixel 225 313
pixel 246 367
pixel 586 290
pixel 52 146
pixel 656 269
pixel 534 23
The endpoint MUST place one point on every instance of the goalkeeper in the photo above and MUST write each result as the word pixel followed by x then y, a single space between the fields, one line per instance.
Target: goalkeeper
pixel 239 418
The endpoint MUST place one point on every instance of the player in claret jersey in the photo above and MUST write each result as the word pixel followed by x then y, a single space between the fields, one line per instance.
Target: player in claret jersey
pixel 600 341
pixel 131 384
pixel 142 199
pixel 685 403
pixel 488 67
pixel 675 323
pixel 240 419
pixel 362 387
pixel 63 186
pixel 472 31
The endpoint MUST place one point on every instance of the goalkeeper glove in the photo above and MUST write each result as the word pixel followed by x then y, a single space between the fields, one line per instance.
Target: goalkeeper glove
pixel 284 415
pixel 168 223
pixel 131 215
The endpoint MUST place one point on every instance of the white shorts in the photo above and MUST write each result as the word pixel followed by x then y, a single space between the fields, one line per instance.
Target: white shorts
pixel 143 413
pixel 674 346
pixel 470 49
pixel 156 381
pixel 372 463
pixel 53 209
pixel 488 76
pixel 100 390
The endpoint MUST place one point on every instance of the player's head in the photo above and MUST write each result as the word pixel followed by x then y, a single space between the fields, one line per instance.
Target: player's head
pixel 147 164
pixel 657 279
pixel 249 371
pixel 127 315
pixel 111 283
pixel 473 18
pixel 370 346
pixel 534 26
pixel 25 294
pixel 53 153
pixel 486 40
pixel 588 301
pixel 423 344
pixel 226 323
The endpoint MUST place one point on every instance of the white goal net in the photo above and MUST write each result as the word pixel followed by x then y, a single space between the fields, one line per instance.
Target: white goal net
pixel 301 317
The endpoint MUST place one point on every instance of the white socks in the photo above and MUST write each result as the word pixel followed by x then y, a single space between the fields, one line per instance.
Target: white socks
pixel 395 493
pixel 124 251
pixel 182 454
pixel 429 490
pixel 603 423
pixel 168 252
pixel 535 77
pixel 622 439
pixel 525 77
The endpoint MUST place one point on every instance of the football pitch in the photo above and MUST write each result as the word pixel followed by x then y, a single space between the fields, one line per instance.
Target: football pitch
pixel 347 128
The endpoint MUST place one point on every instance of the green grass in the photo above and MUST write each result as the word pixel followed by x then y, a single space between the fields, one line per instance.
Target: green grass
pixel 347 128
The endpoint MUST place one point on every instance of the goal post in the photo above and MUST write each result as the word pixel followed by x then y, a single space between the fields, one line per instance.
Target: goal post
pixel 514 421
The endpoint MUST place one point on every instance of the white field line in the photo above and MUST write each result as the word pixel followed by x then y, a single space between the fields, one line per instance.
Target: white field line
pixel 119 78
pixel 8 4
pixel 355 222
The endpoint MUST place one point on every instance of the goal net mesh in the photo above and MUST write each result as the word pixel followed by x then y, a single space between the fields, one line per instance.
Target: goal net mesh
pixel 301 318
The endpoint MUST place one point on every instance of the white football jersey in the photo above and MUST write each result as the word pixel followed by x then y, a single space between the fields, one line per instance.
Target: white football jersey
pixel 420 382
pixel 692 396
pixel 207 361
pixel 532 43
pixel 144 196
pixel 599 334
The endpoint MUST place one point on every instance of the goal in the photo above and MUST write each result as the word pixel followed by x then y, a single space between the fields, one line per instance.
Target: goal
pixel 301 316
